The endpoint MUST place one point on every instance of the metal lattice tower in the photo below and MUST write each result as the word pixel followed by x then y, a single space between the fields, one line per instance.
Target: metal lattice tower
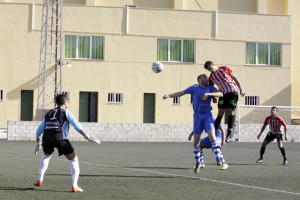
pixel 50 72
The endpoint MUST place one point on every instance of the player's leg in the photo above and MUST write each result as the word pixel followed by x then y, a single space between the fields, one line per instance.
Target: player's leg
pixel 204 144
pixel 282 149
pixel 197 130
pixel 67 149
pixel 266 141
pixel 197 151
pixel 48 149
pixel 221 111
pixel 231 103
pixel 216 147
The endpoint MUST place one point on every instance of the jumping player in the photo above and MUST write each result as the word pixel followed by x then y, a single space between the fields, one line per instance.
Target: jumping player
pixel 205 143
pixel 275 123
pixel 203 120
pixel 55 128
pixel 227 82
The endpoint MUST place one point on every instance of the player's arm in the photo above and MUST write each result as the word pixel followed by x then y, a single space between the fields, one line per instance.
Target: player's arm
pixel 242 93
pixel 190 136
pixel 223 136
pixel 77 126
pixel 261 131
pixel 215 93
pixel 285 129
pixel 176 94
pixel 39 133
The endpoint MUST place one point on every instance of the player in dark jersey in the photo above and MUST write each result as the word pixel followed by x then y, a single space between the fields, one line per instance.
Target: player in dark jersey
pixel 54 130
pixel 228 84
pixel 275 123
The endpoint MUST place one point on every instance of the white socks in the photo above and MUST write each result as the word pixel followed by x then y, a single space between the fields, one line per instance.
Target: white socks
pixel 43 166
pixel 75 171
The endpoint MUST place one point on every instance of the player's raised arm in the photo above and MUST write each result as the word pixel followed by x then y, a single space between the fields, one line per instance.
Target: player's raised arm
pixel 242 93
pixel 176 94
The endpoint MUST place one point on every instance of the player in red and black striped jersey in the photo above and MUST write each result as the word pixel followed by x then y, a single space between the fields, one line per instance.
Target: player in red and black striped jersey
pixel 228 84
pixel 275 123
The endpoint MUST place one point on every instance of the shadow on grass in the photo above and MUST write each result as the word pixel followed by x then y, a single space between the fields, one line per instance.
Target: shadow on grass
pixel 29 189
pixel 117 176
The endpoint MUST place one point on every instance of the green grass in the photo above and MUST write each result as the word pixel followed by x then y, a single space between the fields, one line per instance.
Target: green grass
pixel 151 171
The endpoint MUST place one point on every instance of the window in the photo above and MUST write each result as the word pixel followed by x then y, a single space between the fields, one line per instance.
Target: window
pixel 115 98
pixel 176 100
pixel 175 50
pixel 84 47
pixel 1 95
pixel 263 54
pixel 252 100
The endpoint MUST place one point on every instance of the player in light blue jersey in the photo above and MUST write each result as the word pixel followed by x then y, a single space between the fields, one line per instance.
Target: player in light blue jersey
pixel 206 144
pixel 54 130
pixel 203 119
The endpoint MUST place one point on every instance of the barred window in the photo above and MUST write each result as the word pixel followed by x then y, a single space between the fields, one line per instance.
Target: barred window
pixel 115 98
pixel 176 100
pixel 252 100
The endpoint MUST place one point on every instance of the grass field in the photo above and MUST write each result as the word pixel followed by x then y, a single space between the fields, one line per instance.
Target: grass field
pixel 151 171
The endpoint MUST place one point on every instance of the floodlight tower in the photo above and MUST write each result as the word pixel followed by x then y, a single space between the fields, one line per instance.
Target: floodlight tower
pixel 50 64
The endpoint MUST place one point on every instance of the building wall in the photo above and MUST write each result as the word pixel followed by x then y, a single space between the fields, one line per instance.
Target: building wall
pixel 128 57
pixel 294 11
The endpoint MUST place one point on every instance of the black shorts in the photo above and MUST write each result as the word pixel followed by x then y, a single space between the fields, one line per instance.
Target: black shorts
pixel 229 100
pixel 63 146
pixel 270 137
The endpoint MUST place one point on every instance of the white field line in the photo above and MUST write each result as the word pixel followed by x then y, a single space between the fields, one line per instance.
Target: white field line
pixel 191 177
pixel 174 175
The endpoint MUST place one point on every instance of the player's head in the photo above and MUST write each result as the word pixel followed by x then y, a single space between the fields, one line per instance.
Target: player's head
pixel 60 99
pixel 274 111
pixel 202 80
pixel 209 65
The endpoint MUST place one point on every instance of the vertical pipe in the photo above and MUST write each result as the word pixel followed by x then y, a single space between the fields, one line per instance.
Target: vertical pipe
pixel 32 16
pixel 216 23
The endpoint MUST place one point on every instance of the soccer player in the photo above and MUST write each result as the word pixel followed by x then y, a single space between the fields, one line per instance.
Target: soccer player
pixel 275 123
pixel 203 120
pixel 205 143
pixel 227 82
pixel 54 129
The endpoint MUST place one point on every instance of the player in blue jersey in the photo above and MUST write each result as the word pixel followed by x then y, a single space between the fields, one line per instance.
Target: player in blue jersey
pixel 203 119
pixel 54 131
pixel 205 143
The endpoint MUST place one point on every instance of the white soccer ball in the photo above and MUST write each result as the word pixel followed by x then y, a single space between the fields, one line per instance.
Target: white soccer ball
pixel 157 67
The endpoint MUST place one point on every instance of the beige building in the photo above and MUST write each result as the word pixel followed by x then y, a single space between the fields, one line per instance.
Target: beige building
pixel 112 48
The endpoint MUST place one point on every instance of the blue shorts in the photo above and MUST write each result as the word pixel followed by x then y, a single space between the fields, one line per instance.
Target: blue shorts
pixel 203 121
pixel 207 143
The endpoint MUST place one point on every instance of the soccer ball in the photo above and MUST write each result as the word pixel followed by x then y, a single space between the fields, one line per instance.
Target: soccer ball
pixel 157 67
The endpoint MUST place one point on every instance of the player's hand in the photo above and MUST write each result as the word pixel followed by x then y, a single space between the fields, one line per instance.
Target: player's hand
pixel 165 96
pixel 206 94
pixel 37 148
pixel 258 136
pixel 214 100
pixel 190 136
pixel 223 143
pixel 286 138
pixel 242 93
pixel 94 140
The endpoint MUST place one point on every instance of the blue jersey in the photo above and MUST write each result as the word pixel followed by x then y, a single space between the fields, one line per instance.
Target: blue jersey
pixel 201 104
pixel 55 125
